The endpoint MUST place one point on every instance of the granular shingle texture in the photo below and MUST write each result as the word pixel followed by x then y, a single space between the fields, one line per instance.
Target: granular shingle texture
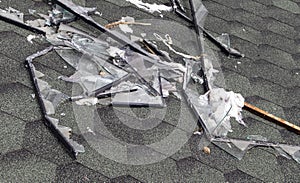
pixel 266 31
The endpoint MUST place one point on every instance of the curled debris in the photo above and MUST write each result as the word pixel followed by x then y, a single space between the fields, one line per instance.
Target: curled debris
pixel 168 42
pixel 87 101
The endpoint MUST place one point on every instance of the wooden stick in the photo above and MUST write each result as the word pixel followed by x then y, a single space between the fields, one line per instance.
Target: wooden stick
pixel 111 25
pixel 277 119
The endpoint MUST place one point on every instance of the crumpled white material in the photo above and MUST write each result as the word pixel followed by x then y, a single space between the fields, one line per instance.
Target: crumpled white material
pixel 218 107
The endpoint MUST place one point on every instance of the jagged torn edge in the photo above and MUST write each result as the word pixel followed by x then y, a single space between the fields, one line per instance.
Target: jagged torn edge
pixel 62 132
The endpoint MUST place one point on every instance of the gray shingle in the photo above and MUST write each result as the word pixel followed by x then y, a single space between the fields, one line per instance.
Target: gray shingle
pixel 16 100
pixel 23 166
pixel 192 171
pixel 11 129
pixel 262 165
pixel 76 172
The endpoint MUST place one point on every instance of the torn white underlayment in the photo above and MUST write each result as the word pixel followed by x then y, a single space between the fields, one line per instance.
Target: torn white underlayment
pixel 217 107
pixel 150 7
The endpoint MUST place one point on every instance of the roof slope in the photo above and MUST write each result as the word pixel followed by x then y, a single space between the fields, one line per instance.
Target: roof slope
pixel 267 31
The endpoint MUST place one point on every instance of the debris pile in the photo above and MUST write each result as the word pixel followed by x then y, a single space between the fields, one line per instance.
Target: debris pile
pixel 117 68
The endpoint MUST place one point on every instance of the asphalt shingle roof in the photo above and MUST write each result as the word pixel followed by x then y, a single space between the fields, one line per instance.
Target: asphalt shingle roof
pixel 266 31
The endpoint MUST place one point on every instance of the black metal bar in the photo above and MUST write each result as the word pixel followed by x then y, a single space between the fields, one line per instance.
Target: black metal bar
pixel 22 25
pixel 47 122
pixel 110 94
pixel 199 29
pixel 68 5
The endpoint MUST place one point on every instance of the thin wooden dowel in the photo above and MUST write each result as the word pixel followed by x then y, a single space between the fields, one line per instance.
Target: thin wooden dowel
pixel 277 119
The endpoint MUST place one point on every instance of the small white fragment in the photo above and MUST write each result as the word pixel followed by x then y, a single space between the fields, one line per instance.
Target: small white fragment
pixel 244 29
pixel 87 101
pixel 197 133
pixel 124 27
pixel 177 95
pixel 135 38
pixel 98 13
pixel 297 73
pixel 114 51
pixel 33 96
pixel 90 130
pixel 235 66
pixel 239 63
pixel 31 11
pixel 143 34
pixel 63 114
pixel 31 37
pixel 65 67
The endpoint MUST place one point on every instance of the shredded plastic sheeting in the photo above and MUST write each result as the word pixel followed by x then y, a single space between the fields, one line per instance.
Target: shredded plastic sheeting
pixel 130 76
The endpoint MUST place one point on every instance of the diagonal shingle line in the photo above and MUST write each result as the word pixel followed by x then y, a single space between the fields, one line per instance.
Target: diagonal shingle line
pixel 76 162
pixel 271 63
pixel 15 151
pixel 276 6
pixel 254 29
pixel 269 124
pixel 1 111
pixel 250 12
pixel 253 77
pixel 255 45
pixel 207 164
pixel 247 174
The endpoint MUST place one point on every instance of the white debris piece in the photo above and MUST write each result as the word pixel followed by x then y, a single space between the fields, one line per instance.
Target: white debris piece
pixel 90 130
pixel 135 38
pixel 125 27
pixel 33 96
pixel 31 37
pixel 31 11
pixel 114 51
pixel 219 107
pixel 87 101
pixel 98 13
pixel 150 7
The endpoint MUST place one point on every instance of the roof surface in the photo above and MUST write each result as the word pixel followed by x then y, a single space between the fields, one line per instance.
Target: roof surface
pixel 266 31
